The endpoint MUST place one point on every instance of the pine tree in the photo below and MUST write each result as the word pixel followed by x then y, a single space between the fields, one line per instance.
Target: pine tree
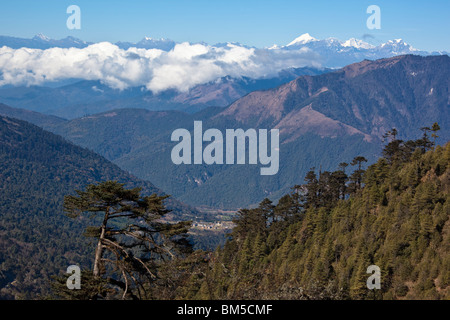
pixel 435 128
pixel 131 239
pixel 312 189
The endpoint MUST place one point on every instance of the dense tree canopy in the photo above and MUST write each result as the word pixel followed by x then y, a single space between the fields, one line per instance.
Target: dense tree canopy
pixel 318 241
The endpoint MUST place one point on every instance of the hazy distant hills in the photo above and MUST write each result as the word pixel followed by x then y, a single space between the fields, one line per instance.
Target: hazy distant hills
pixel 41 41
pixel 88 97
pixel 323 120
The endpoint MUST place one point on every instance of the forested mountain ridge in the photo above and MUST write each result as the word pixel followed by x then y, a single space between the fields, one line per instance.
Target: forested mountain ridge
pixel 41 120
pixel 397 220
pixel 37 168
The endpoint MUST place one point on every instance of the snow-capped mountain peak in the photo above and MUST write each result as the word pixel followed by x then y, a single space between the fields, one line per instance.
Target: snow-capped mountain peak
pixel 41 37
pixel 356 43
pixel 398 45
pixel 274 47
pixel 153 40
pixel 393 42
pixel 304 38
pixel 150 43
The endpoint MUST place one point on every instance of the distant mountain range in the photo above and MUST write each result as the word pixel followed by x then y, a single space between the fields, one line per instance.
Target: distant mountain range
pixel 323 120
pixel 334 53
pixel 70 98
pixel 41 41
pixel 88 97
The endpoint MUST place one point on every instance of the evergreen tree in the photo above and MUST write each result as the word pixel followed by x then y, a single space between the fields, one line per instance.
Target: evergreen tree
pixel 132 241
pixel 435 128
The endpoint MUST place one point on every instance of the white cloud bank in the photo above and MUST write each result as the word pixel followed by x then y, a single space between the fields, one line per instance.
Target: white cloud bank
pixel 185 66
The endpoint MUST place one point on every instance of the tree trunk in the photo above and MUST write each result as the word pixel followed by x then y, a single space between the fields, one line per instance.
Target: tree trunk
pixel 99 249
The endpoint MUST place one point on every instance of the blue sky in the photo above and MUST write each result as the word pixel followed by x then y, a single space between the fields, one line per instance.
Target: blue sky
pixel 260 23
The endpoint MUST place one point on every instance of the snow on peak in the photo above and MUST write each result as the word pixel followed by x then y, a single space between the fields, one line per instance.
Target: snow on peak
pixel 395 41
pixel 356 43
pixel 41 36
pixel 274 47
pixel 150 39
pixel 398 44
pixel 304 38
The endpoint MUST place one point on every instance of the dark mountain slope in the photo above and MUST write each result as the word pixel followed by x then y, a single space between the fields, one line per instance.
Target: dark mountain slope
pixel 37 168
pixel 39 119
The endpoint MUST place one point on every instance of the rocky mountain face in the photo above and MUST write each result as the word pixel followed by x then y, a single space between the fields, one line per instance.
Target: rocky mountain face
pixel 366 98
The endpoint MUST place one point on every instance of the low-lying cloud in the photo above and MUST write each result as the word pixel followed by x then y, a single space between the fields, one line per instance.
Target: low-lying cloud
pixel 181 68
